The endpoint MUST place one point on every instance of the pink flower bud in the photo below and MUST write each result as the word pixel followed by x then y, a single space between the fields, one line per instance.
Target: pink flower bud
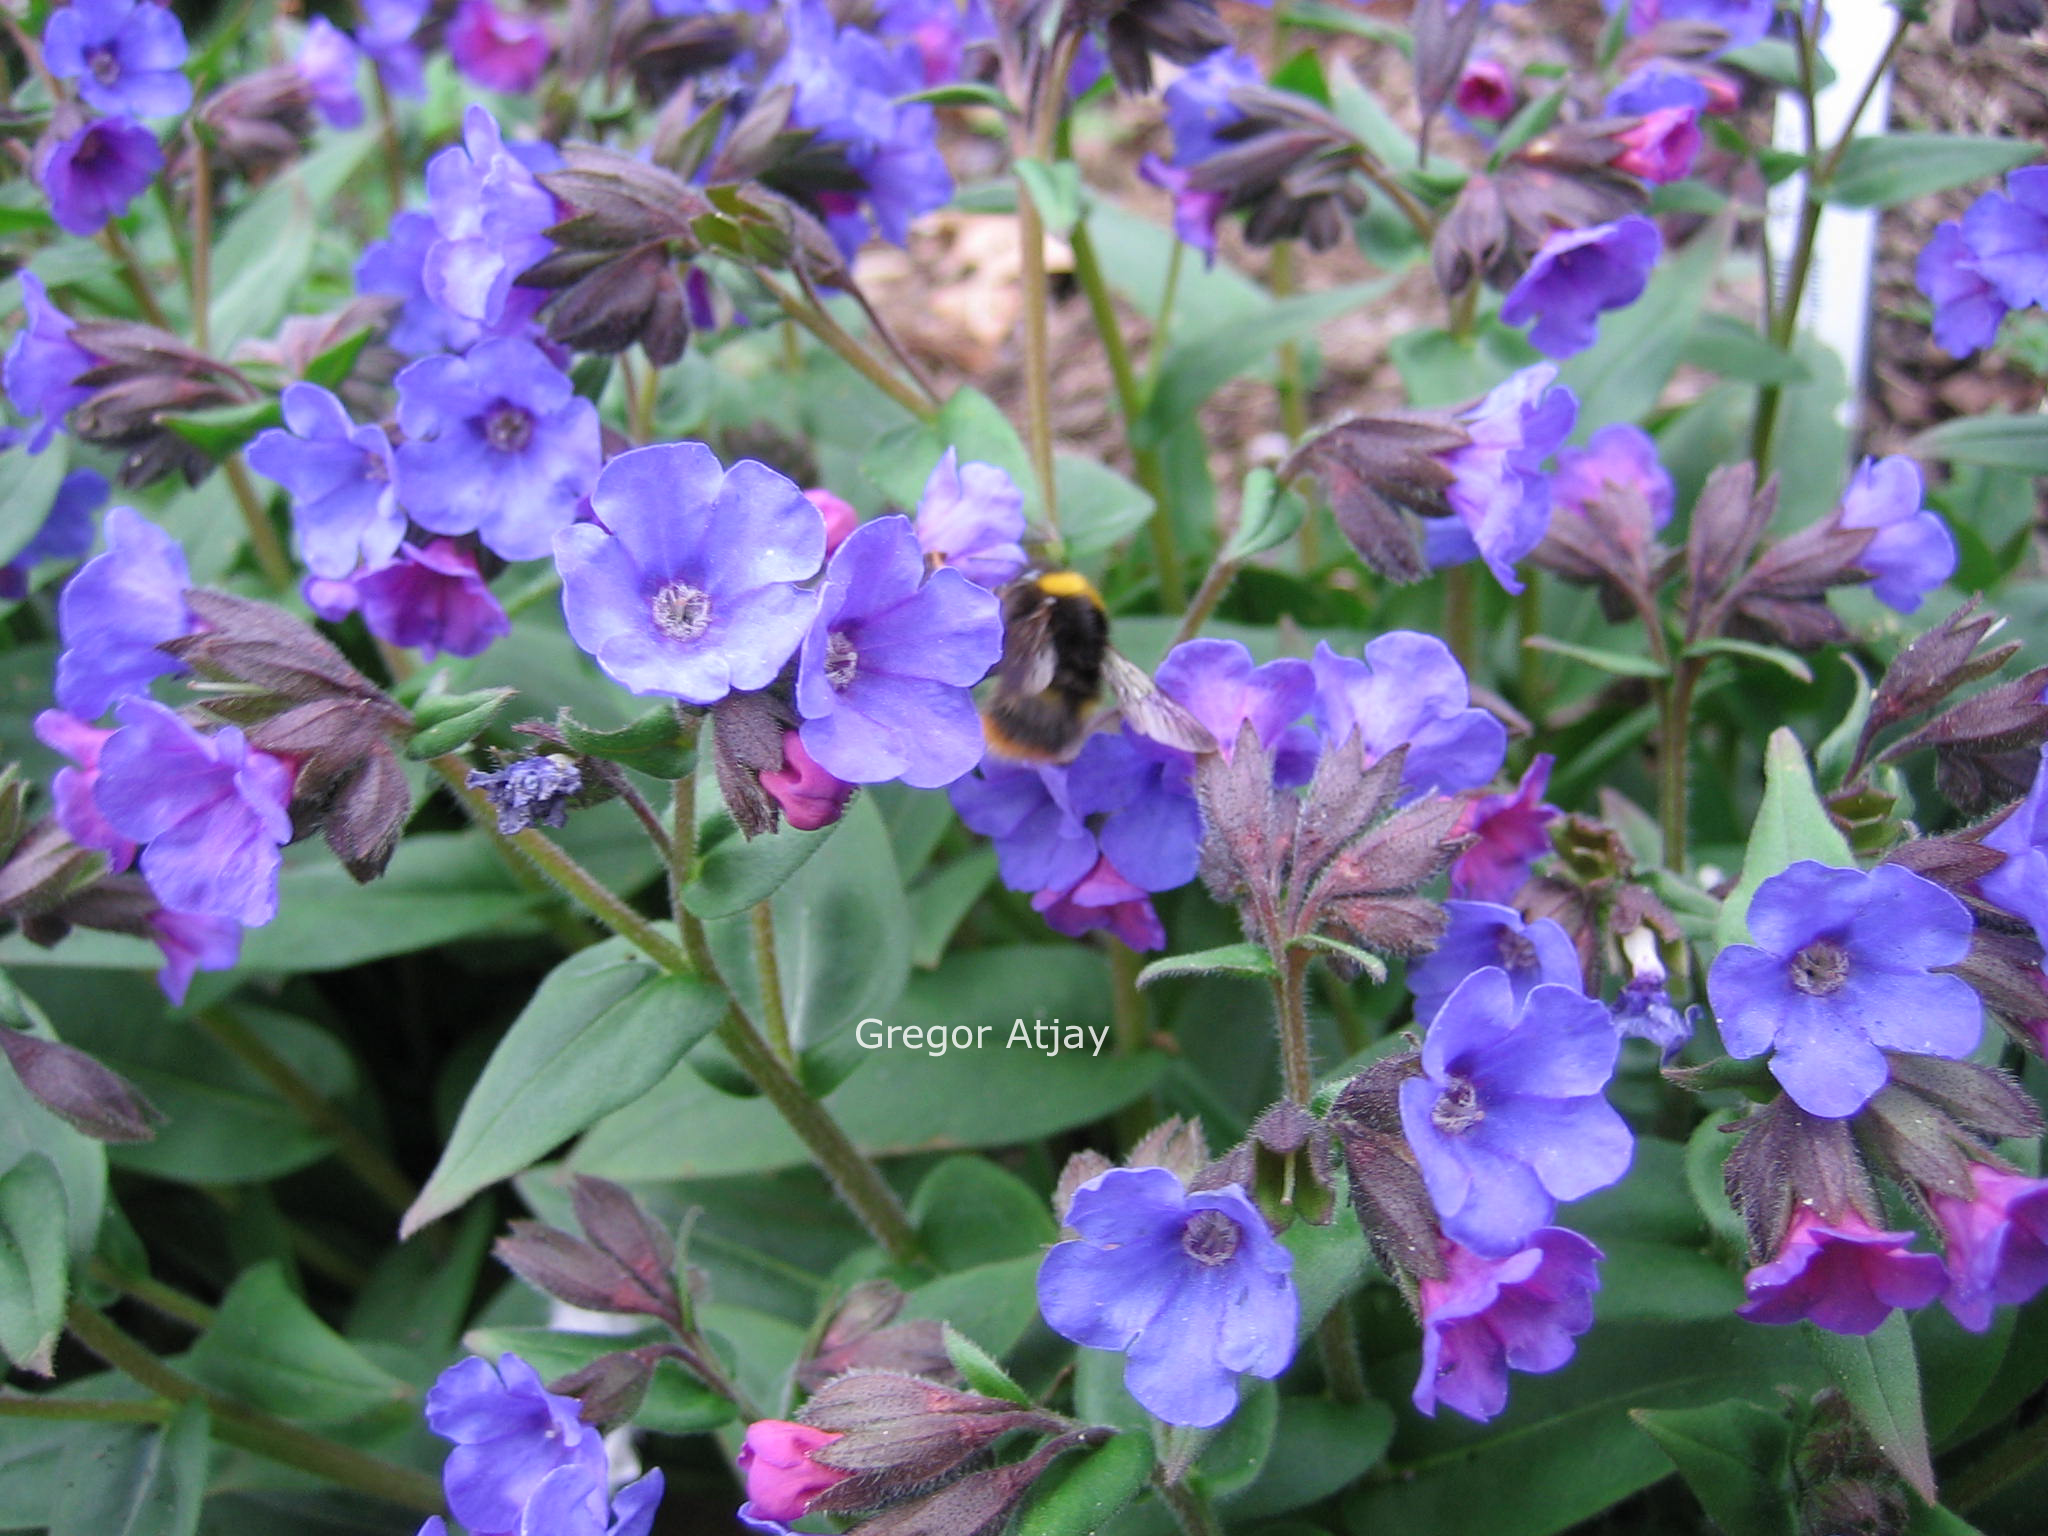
pixel 782 1480
pixel 840 518
pixel 809 796
pixel 1661 145
pixel 1486 91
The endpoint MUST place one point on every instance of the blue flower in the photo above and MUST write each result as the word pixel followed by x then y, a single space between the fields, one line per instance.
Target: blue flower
pixel 126 55
pixel 43 364
pixel 499 444
pixel 66 532
pixel 1482 934
pixel 511 1435
pixel 1578 273
pixel 883 675
pixel 92 175
pixel 339 474
pixel 1499 494
pixel 397 265
pixel 327 63
pixel 116 612
pixel 1409 691
pixel 1912 552
pixel 971 517
pixel 492 215
pixel 1191 1287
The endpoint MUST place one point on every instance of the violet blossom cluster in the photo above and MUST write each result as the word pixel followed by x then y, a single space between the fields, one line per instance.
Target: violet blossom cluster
pixel 1979 268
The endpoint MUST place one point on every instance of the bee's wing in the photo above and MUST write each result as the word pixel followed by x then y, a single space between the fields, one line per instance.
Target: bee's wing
pixel 1148 711
pixel 1029 657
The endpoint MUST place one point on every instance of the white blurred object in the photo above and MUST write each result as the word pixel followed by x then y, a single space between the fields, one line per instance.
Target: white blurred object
pixel 1836 309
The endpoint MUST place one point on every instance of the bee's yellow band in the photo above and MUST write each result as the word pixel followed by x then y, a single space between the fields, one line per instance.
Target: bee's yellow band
pixel 1067 584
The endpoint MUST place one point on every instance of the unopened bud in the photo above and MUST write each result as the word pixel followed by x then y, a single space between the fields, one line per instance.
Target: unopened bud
pixel 78 1090
pixel 895 1433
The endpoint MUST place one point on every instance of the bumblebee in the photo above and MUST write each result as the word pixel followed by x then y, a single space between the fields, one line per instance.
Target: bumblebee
pixel 1059 673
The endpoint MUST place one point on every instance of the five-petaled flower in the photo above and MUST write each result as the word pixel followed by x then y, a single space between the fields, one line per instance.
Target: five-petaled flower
pixel 126 55
pixel 1191 1286
pixel 1844 967
pixel 116 612
pixel 1488 1316
pixel 1842 1274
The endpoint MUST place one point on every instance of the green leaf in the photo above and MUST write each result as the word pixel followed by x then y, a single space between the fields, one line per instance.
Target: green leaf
pixel 969 422
pixel 1233 1459
pixel 735 872
pixel 262 258
pixel 1081 1495
pixel 676 1402
pixel 34 1274
pixel 1224 960
pixel 1438 368
pixel 1725 345
pixel 1839 747
pixel 1001 1092
pixel 1884 170
pixel 1056 191
pixel 267 1348
pixel 1621 375
pixel 979 1369
pixel 1196 366
pixel 601 1030
pixel 1620 663
pixel 1100 1396
pixel 1099 508
pixel 220 431
pixel 963 93
pixel 29 1130
pixel 330 370
pixel 1267 519
pixel 942 900
pixel 993 1304
pixel 1791 824
pixel 136 1482
pixel 1328 1263
pixel 1319 1449
pixel 1996 442
pixel 968 1211
pixel 1535 117
pixel 1880 1377
pixel 1777 656
pixel 1736 1458
pixel 1706 1151
pixel 1365 960
pixel 447 722
pixel 1776 60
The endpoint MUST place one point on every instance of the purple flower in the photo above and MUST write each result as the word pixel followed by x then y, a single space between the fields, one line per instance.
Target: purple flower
pixel 1619 460
pixel 1215 681
pixel 497 50
pixel 327 63
pixel 66 533
pixel 1659 147
pixel 1195 211
pixel 1995 1244
pixel 1052 822
pixel 568 1503
pixel 970 517
pixel 1912 551
pixel 210 811
pixel 493 217
pixel 809 796
pixel 397 265
pixel 499 444
pixel 1842 1274
pixel 940 31
pixel 71 789
pixel 1506 1117
pixel 883 676
pixel 1409 690
pixel 533 792
pixel 782 1479
pixel 115 612
pixel 1499 495
pixel 1655 85
pixel 124 54
pixel 93 175
pixel 2020 884
pixel 686 585
pixel 1103 899
pixel 192 942
pixel 1967 307
pixel 339 474
pixel 1485 91
pixel 1198 106
pixel 1192 1287
pixel 1843 969
pixel 43 364
pixel 386 36
pixel 2008 238
pixel 1482 934
pixel 510 1434
pixel 1644 1010
pixel 1488 1316
pixel 1509 837
pixel 1744 21
pixel 429 599
pixel 1575 275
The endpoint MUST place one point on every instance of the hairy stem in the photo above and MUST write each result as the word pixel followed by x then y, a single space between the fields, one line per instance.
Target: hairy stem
pixel 1529 624
pixel 271 558
pixel 1290 1017
pixel 202 239
pixel 1044 114
pixel 768 966
pixel 1292 390
pixel 154 1294
pixel 1190 1509
pixel 251 1429
pixel 1673 805
pixel 392 146
pixel 132 274
pixel 362 1156
pixel 1215 583
pixel 819 322
pixel 1337 1342
pixel 1461 615
pixel 90 1410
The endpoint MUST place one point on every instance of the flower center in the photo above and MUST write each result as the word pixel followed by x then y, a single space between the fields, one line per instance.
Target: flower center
pixel 842 661
pixel 1210 1237
pixel 507 428
pixel 105 65
pixel 681 611
pixel 375 470
pixel 1517 954
pixel 1821 968
pixel 1457 1108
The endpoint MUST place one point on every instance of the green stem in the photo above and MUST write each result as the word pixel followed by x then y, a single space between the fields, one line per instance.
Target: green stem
pixel 202 239
pixel 393 147
pixel 1162 325
pixel 271 558
pixel 1529 624
pixel 1131 399
pixel 155 1295
pixel 1463 310
pixel 250 1429
pixel 1190 1509
pixel 1999 1468
pixel 1673 808
pixel 1044 115
pixel 1337 1342
pixel 550 859
pixel 1351 1025
pixel 859 1183
pixel 819 322
pixel 132 274
pixel 769 969
pixel 1290 1017
pixel 363 1157
pixel 91 1410
pixel 1215 583
pixel 1461 615
pixel 1292 390
pixel 1130 1017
